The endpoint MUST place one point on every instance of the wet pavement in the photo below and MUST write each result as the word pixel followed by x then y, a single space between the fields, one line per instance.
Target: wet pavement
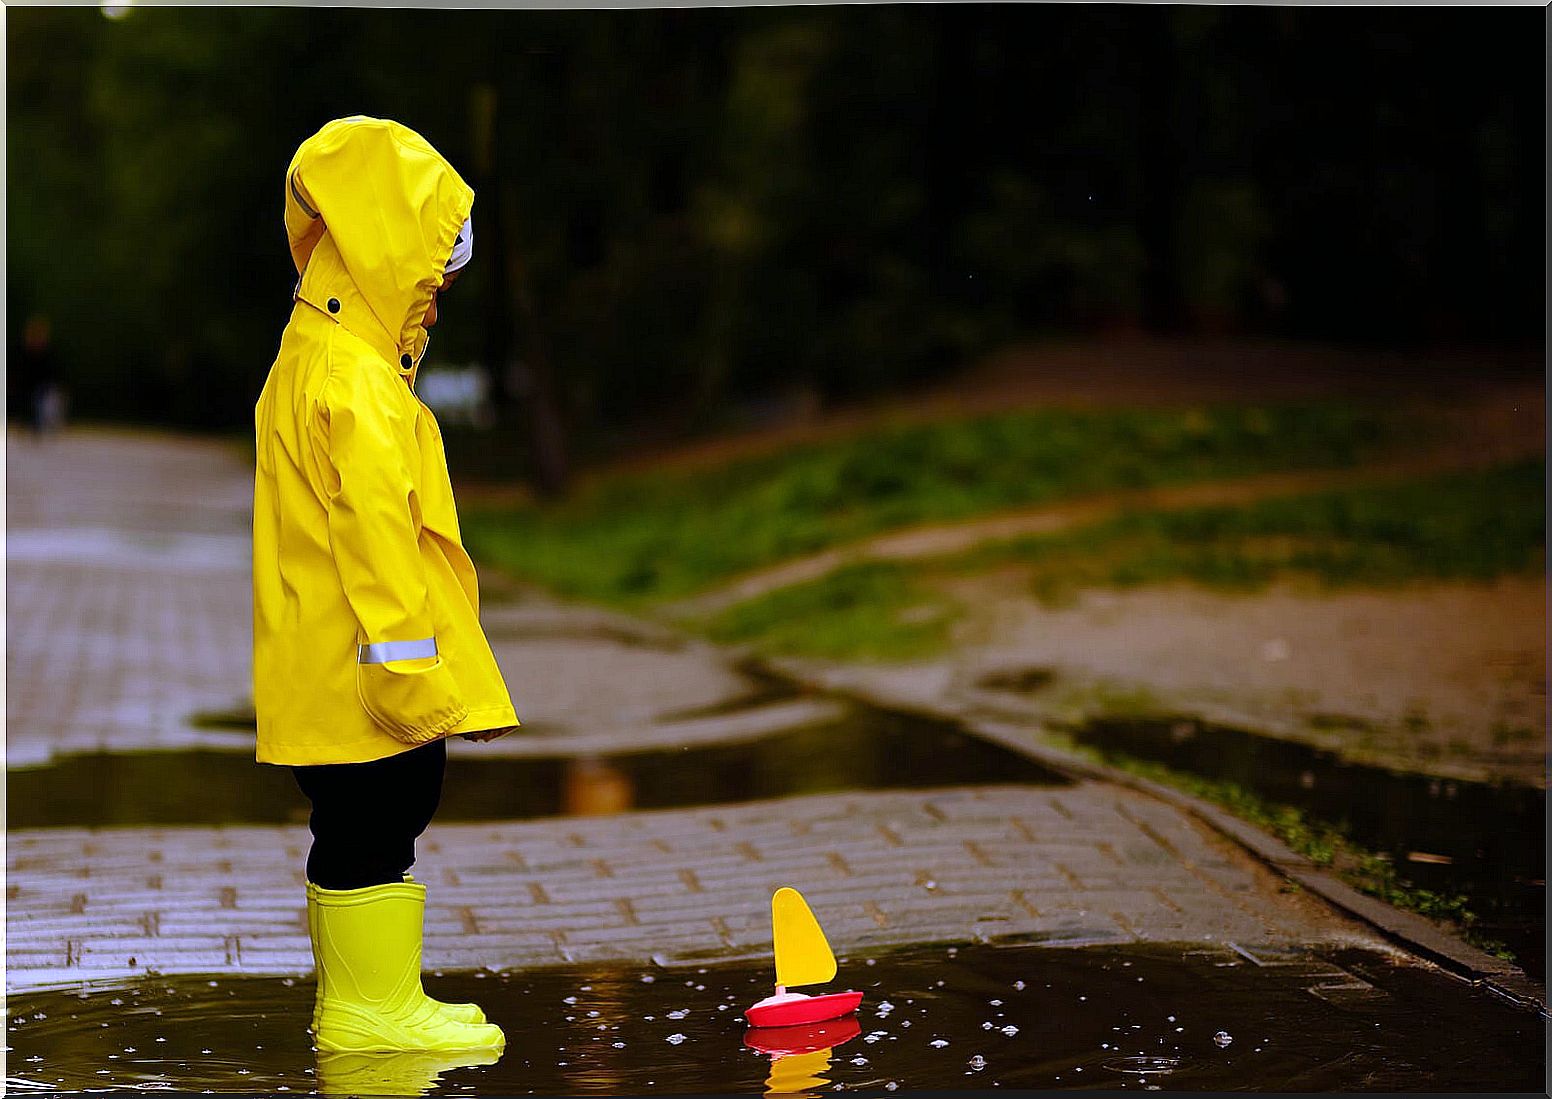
pixel 1486 842
pixel 637 829
pixel 866 750
pixel 1080 864
pixel 1133 1018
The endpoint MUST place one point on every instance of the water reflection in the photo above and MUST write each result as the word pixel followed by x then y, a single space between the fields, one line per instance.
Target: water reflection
pixel 393 1073
pixel 595 787
pixel 865 750
pixel 800 1055
pixel 1485 841
pixel 1029 1018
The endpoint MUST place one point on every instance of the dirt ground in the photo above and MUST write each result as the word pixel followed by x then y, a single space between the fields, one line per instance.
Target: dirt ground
pixel 1447 679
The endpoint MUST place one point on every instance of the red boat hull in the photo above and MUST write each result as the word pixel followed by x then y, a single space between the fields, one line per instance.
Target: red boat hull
pixel 810 1009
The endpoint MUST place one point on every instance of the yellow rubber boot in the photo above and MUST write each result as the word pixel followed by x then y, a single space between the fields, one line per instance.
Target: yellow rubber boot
pixel 367 942
pixel 461 1013
pixel 458 1013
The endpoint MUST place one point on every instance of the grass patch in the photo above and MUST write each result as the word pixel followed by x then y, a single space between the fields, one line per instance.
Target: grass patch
pixel 641 536
pixel 873 611
pixel 1461 526
pixel 1322 843
pixel 1471 526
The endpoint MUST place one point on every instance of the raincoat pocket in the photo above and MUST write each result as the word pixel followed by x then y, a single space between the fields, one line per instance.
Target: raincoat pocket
pixel 415 701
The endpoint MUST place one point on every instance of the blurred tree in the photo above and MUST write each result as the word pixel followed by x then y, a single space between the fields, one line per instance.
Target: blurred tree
pixel 685 210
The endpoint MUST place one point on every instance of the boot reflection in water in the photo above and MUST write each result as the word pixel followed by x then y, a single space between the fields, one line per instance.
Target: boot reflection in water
pixel 392 1073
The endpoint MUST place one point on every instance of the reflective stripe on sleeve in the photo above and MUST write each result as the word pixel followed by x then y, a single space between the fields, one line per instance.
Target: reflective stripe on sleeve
pixel 384 651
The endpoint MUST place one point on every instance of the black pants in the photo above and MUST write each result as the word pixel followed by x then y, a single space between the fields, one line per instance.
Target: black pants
pixel 367 816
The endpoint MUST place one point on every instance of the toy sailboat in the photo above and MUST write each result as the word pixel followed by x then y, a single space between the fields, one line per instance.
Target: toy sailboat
pixel 803 957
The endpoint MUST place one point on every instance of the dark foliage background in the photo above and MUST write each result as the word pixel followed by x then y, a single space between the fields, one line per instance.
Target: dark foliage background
pixel 678 209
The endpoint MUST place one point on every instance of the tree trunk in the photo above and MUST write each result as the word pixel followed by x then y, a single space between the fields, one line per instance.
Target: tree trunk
pixel 547 436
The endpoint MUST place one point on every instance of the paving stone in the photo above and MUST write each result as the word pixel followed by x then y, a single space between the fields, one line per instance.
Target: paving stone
pixel 129 600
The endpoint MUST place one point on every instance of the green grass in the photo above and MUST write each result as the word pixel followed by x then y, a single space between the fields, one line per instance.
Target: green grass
pixel 1460 526
pixel 644 536
pixel 1466 526
pixel 861 612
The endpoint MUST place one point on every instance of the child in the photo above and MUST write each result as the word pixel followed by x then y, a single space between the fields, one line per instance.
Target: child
pixel 367 647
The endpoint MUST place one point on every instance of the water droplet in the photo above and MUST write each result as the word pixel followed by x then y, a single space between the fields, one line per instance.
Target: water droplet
pixel 937 1043
pixel 618 1045
pixel 1020 985
pixel 891 1086
pixel 986 1026
pixel 995 1003
pixel 677 1013
pixel 1010 1030
pixel 569 1000
pixel 675 1039
pixel 647 978
pixel 977 1063
pixel 859 1060
pixel 1223 1038
pixel 592 1014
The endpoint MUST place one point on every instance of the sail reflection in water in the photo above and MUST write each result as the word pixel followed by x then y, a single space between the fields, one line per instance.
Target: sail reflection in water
pixel 800 1055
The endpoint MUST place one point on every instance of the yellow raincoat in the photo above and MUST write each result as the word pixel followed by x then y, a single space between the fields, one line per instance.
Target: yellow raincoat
pixel 366 632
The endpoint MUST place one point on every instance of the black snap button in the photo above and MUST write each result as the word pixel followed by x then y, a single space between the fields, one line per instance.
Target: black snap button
pixel 406 362
pixel 333 305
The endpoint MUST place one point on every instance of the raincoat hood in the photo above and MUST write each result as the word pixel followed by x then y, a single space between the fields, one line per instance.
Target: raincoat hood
pixel 371 214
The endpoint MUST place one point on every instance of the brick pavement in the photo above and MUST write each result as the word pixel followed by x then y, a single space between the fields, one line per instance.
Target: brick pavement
pixel 129 610
pixel 1080 865
pixel 128 596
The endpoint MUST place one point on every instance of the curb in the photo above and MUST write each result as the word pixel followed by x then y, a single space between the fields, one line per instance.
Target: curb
pixel 1415 933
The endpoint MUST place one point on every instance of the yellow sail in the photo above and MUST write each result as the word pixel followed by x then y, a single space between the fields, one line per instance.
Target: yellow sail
pixel 803 957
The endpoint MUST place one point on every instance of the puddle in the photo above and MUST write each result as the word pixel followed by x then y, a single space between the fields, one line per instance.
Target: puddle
pixel 933 1018
pixel 866 750
pixel 1486 842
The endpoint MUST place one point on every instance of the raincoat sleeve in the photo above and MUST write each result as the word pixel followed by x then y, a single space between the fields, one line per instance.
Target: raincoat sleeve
pixel 369 436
